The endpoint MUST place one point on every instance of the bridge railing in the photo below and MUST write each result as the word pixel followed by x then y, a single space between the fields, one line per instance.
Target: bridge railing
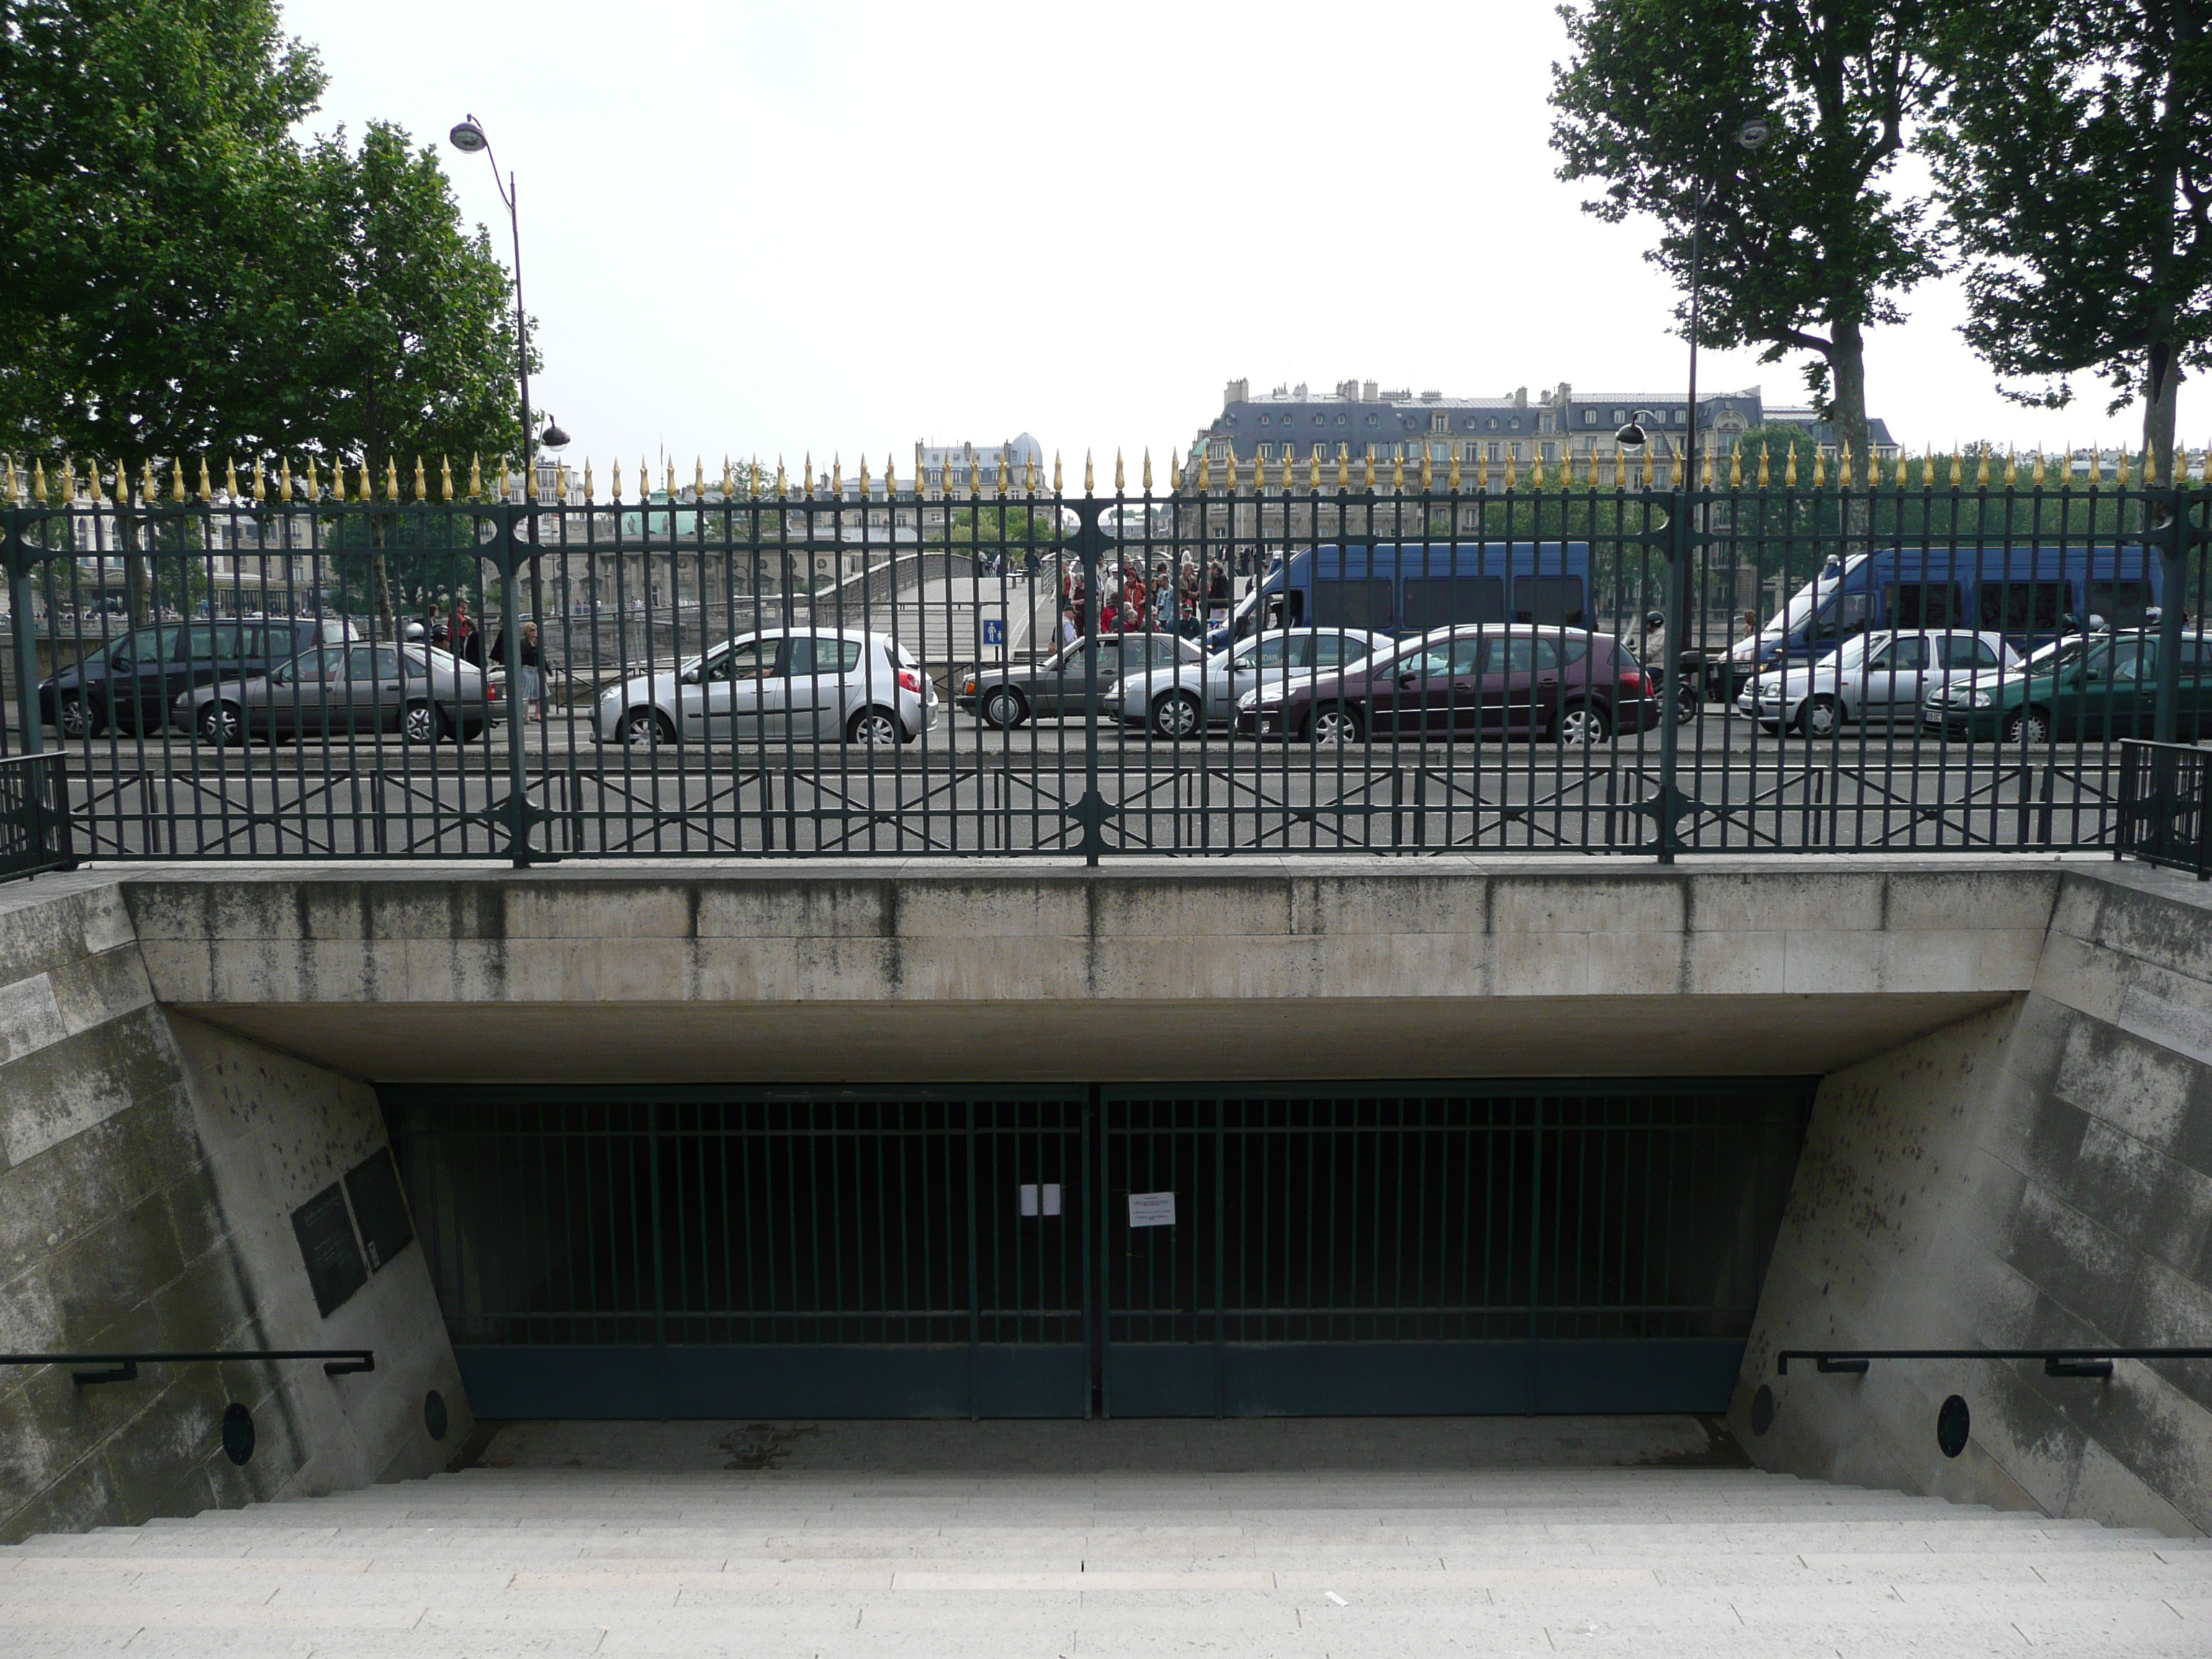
pixel 1316 659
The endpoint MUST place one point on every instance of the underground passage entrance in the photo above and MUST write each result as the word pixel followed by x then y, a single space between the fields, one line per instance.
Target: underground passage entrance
pixel 1124 1251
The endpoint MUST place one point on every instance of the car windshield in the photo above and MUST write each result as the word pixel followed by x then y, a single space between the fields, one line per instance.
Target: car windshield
pixel 2057 654
pixel 1807 598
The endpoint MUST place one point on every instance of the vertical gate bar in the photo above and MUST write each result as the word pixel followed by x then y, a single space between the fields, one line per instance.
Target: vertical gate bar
pixel 1220 1244
pixel 1536 1231
pixel 1083 1189
pixel 659 1298
pixel 1101 1226
pixel 26 643
pixel 975 1308
pixel 2173 554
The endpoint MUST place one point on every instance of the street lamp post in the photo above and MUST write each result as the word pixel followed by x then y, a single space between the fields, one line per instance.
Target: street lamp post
pixel 468 136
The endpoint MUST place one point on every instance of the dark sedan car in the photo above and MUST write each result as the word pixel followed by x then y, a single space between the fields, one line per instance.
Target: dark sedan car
pixel 1575 687
pixel 1006 696
pixel 132 682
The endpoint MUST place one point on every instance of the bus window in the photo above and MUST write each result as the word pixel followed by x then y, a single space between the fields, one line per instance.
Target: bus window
pixel 1436 601
pixel 1350 604
pixel 1549 600
pixel 1921 604
pixel 2023 607
pixel 2121 604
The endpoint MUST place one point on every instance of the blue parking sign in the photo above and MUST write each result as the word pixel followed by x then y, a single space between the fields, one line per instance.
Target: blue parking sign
pixel 995 630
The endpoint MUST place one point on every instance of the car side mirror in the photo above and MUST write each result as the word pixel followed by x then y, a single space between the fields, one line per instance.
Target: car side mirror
pixel 690 676
pixel 1408 680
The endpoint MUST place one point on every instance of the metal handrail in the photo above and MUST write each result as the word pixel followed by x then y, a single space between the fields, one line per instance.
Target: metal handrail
pixel 2057 1361
pixel 338 1362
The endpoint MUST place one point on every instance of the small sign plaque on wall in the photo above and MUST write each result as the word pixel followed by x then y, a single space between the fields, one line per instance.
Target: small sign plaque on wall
pixel 1151 1210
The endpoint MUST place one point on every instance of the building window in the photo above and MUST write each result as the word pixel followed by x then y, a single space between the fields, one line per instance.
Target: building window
pixel 1589 417
pixel 1339 420
pixel 1492 425
pixel 1372 419
pixel 1439 422
pixel 1494 448
pixel 1468 453
pixel 1620 417
pixel 1551 452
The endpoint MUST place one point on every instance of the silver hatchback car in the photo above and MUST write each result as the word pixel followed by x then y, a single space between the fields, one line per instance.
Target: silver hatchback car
pixel 838 684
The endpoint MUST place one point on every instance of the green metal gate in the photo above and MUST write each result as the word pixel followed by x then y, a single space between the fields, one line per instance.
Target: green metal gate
pixel 1157 1251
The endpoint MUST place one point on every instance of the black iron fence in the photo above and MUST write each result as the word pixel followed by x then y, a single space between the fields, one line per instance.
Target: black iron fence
pixel 35 817
pixel 1311 661
pixel 2166 806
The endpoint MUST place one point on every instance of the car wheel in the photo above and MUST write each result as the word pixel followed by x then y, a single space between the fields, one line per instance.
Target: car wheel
pixel 420 723
pixel 877 728
pixel 646 728
pixel 2028 726
pixel 1335 725
pixel 1582 726
pixel 1686 705
pixel 1004 709
pixel 222 724
pixel 1177 716
pixel 1819 718
pixel 78 721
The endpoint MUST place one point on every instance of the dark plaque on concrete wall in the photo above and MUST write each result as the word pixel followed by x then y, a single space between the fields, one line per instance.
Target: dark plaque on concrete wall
pixel 373 1187
pixel 326 1245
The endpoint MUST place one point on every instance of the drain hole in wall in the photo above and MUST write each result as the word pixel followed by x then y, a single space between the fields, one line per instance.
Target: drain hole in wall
pixel 1763 1409
pixel 1951 1424
pixel 434 1414
pixel 237 1433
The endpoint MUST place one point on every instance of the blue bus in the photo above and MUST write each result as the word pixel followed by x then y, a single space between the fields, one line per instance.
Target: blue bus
pixel 1405 589
pixel 2030 595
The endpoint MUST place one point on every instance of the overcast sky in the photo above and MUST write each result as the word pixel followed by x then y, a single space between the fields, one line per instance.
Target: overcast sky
pixel 836 226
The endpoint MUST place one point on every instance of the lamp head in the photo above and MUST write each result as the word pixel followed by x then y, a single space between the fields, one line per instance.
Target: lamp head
pixel 1630 436
pixel 467 136
pixel 1754 132
pixel 553 437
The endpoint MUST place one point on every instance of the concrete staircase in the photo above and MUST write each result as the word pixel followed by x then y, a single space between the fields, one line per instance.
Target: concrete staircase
pixel 770 1562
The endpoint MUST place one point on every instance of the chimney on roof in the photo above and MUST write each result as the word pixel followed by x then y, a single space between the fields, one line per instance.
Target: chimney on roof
pixel 1367 390
pixel 1520 397
pixel 1238 392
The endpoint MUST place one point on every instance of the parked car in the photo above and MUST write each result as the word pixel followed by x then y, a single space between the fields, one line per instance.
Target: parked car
pixel 421 692
pixel 1174 702
pixel 133 682
pixel 835 683
pixel 2090 687
pixel 1873 679
pixel 1567 684
pixel 1004 695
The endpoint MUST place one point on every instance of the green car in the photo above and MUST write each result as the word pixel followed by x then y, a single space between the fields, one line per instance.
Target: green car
pixel 2086 688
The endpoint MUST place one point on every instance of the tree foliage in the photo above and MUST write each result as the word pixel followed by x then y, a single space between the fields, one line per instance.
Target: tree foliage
pixel 1806 243
pixel 147 179
pixel 2076 158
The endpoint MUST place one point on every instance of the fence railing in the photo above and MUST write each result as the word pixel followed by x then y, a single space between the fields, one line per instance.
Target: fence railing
pixel 1209 670
pixel 35 815
pixel 2166 806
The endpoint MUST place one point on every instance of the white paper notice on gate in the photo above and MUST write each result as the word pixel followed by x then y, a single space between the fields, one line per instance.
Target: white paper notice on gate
pixel 1151 1210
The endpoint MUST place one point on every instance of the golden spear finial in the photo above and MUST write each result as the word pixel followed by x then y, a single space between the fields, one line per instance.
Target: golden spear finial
pixel 1904 474
pixel 1452 479
pixel 782 482
pixel 1148 469
pixel 391 478
pixel 670 465
pixel 806 473
pixel 1397 468
pixel 1735 467
pixel 1120 481
pixel 837 477
pixel 1229 465
pixel 260 481
pixel 1705 469
pixel 37 478
pixel 1091 489
pixel 1175 473
pixel 1367 475
pixel 587 481
pixel 1982 468
pixel 1650 466
pixel 1343 467
pixel 2123 475
pixel 698 477
pixel 1206 471
pixel 145 479
pixel 422 479
pixel 2012 468
pixel 314 484
pixel 207 485
pixel 1764 476
pixel 1790 469
pixel 1537 471
pixel 730 483
pixel 1512 458
pixel 1819 467
pixel 1482 468
pixel 1428 472
pixel 446 479
pixel 614 488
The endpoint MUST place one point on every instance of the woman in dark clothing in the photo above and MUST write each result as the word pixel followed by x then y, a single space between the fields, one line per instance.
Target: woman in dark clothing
pixel 466 640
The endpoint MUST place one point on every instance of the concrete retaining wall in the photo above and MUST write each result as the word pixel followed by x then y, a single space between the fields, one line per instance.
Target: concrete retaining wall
pixel 2039 1176
pixel 148 1168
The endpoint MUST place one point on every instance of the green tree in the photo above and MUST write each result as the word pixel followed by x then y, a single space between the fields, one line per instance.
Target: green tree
pixel 411 338
pixel 1805 245
pixel 146 183
pixel 2076 163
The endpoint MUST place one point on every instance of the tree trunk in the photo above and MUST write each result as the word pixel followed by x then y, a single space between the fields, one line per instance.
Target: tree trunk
pixel 1847 366
pixel 2161 400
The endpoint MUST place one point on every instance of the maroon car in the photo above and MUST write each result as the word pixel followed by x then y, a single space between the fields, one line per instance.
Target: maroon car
pixel 1566 683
